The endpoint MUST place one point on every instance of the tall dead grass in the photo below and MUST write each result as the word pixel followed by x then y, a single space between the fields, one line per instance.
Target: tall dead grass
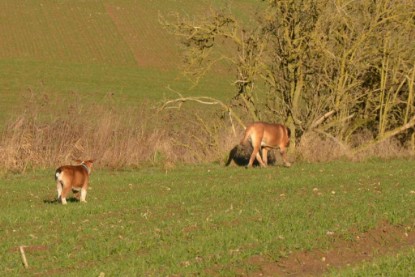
pixel 54 131
pixel 51 131
pixel 315 147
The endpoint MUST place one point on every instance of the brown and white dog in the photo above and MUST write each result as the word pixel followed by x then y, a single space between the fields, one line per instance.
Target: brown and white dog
pixel 266 136
pixel 73 177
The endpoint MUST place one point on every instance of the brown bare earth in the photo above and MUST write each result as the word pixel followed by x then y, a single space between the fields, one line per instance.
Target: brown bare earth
pixel 383 240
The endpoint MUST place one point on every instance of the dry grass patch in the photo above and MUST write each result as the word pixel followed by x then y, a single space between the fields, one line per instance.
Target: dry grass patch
pixel 314 147
pixel 51 131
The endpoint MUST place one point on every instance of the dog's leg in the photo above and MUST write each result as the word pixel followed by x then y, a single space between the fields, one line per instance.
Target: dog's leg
pixel 283 152
pixel 254 154
pixel 83 195
pixel 256 144
pixel 259 159
pixel 63 200
pixel 265 156
pixel 65 192
pixel 59 188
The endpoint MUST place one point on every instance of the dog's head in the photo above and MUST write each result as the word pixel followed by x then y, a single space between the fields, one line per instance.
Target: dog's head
pixel 87 163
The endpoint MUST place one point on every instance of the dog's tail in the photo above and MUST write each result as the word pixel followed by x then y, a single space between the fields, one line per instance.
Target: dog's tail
pixel 58 176
pixel 232 154
pixel 245 139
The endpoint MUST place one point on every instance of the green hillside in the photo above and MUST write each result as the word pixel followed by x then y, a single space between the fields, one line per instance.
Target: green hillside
pixel 96 47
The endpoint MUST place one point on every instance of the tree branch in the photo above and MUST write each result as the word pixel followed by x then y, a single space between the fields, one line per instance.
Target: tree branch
pixel 386 135
pixel 205 100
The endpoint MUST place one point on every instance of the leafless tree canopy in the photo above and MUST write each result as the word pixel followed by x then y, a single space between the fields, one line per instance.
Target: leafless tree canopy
pixel 334 67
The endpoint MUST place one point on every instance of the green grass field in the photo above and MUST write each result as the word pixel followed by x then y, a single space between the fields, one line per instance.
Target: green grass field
pixel 191 220
pixel 97 47
pixel 203 220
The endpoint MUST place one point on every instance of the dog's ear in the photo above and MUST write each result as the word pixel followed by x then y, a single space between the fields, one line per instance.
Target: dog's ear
pixel 89 163
pixel 77 161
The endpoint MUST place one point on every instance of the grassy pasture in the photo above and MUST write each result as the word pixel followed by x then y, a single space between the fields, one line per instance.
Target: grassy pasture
pixel 129 85
pixel 205 219
pixel 96 47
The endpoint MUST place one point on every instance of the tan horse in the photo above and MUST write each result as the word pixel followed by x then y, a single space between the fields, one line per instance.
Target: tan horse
pixel 266 136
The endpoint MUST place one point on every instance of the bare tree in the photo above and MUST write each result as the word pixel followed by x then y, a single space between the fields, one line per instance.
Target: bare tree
pixel 219 39
pixel 334 66
pixel 368 59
